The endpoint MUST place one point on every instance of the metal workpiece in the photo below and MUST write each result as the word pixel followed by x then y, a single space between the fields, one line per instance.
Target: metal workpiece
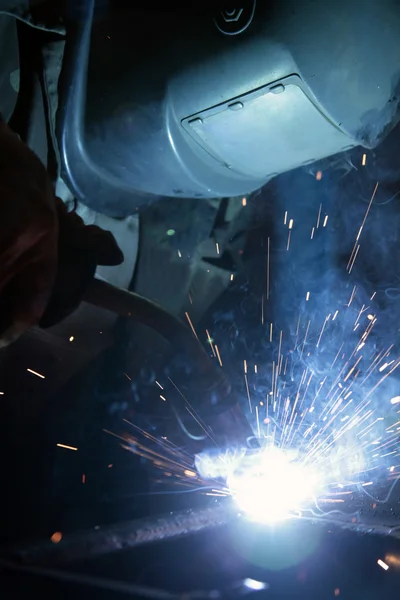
pixel 123 536
pixel 100 541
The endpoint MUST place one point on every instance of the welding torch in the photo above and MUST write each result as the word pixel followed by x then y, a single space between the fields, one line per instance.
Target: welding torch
pixel 209 390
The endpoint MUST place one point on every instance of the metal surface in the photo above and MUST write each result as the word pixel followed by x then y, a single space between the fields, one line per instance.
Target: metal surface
pixel 122 536
pixel 128 535
pixel 204 114
pixel 269 113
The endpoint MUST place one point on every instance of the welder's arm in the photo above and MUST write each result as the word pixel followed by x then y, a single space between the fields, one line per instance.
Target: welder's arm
pixel 28 237
pixel 38 237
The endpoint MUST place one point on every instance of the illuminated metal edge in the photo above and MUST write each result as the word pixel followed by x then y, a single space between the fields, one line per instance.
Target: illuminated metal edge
pixel 364 526
pixel 122 536
pixel 131 534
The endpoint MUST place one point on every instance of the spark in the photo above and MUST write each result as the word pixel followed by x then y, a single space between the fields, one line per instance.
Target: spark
pixel 210 341
pixel 162 398
pixel 353 293
pixel 356 244
pixel 288 240
pixel 36 373
pixel 189 473
pixel 382 564
pixel 67 447
pixel 248 392
pixel 56 537
pixel 322 330
pixel 262 309
pixel 71 339
pixel 353 259
pixel 318 176
pixel 191 325
pixel 364 160
pixel 217 247
pixel 179 253
pixel 244 201
pixel 268 261
pixel 367 212
pixel 305 339
pixel 319 216
pixel 159 385
pixel 322 405
pixel 218 355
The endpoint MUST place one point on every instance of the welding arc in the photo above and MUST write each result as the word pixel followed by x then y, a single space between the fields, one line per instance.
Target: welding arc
pixel 123 536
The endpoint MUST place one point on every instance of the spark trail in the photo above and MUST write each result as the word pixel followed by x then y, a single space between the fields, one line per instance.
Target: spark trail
pixel 324 401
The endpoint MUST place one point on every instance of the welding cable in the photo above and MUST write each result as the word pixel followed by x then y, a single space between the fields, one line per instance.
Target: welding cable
pixel 210 391
pixel 130 305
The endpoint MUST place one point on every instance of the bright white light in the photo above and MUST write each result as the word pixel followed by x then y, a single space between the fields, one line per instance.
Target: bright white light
pixel 214 465
pixel 253 584
pixel 268 486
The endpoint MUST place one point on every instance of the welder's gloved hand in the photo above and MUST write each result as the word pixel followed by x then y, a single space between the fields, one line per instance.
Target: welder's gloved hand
pixel 28 237
pixel 81 248
pixel 38 241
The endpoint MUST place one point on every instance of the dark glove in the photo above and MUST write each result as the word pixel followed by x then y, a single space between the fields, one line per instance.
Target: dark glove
pixel 81 248
pixel 47 255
